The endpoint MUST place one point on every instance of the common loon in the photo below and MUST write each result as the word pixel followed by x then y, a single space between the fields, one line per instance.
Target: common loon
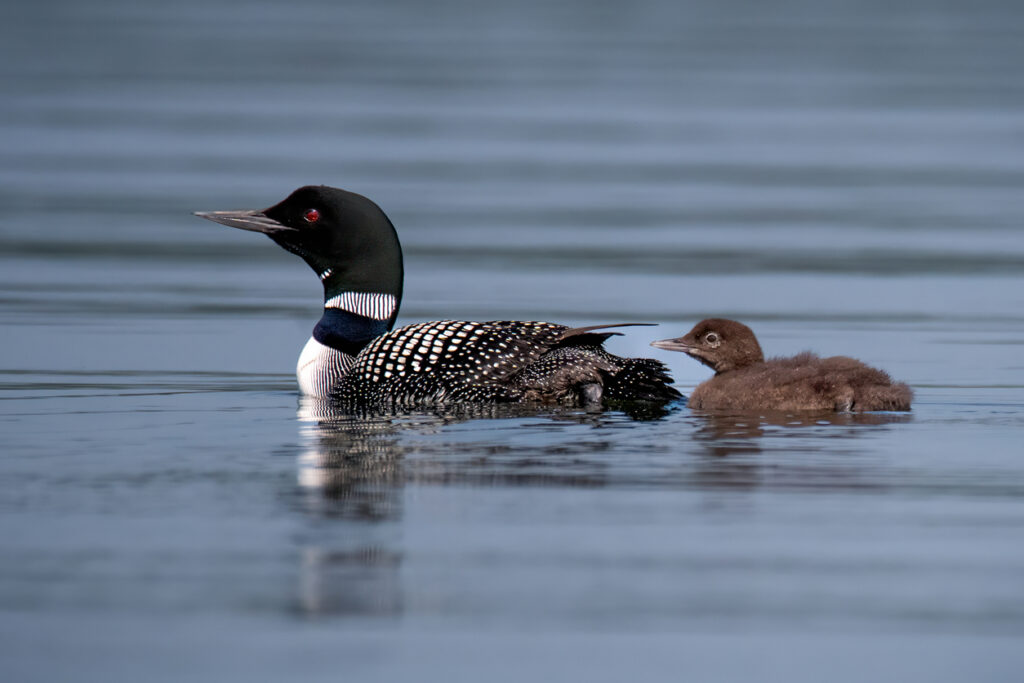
pixel 744 380
pixel 354 357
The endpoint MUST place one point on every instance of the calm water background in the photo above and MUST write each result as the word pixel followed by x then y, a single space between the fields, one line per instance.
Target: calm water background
pixel 843 176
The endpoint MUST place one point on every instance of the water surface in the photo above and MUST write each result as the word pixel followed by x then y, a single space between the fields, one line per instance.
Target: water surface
pixel 842 176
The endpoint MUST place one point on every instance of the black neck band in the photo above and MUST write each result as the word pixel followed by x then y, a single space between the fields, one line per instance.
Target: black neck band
pixel 347 332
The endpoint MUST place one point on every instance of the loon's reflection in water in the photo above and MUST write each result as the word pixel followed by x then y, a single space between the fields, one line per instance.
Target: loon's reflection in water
pixel 353 465
pixel 349 465
pixel 349 468
pixel 353 471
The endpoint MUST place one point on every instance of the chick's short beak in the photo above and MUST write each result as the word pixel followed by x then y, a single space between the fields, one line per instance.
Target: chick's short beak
pixel 676 344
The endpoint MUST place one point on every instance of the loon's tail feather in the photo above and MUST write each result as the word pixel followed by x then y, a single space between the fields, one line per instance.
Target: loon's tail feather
pixel 624 379
pixel 641 379
pixel 589 336
pixel 583 331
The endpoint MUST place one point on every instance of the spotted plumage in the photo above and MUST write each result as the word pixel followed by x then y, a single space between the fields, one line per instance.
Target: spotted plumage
pixel 355 358
pixel 497 361
pixel 446 361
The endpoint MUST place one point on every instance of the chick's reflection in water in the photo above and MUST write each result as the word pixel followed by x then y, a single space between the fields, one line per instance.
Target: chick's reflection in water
pixel 742 432
pixel 785 450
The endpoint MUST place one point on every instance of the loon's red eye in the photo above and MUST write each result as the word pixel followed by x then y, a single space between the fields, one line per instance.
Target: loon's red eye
pixel 311 215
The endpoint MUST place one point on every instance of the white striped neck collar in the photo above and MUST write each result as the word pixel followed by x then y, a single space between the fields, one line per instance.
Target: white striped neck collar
pixel 373 305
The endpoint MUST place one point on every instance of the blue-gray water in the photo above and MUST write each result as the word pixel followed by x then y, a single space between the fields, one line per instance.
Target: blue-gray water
pixel 843 176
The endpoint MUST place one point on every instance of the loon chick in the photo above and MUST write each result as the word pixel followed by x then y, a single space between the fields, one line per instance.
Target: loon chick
pixel 744 380
pixel 355 358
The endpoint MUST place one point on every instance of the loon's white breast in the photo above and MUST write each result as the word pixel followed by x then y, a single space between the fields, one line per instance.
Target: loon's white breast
pixel 321 369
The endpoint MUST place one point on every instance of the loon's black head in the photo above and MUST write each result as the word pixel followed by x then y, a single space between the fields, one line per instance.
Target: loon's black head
pixel 343 236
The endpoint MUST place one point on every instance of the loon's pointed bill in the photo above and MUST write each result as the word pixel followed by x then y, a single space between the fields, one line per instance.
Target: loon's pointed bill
pixel 359 360
pixel 255 221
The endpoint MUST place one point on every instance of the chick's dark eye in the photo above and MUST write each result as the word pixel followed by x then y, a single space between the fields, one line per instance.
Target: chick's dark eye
pixel 311 215
pixel 711 338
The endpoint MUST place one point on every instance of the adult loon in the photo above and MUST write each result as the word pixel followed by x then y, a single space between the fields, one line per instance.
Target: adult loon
pixel 744 380
pixel 355 358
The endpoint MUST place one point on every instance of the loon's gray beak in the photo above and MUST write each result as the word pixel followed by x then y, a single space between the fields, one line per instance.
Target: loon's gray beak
pixel 672 345
pixel 256 221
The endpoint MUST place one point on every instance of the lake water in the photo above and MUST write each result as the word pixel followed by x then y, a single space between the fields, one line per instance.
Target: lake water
pixel 845 177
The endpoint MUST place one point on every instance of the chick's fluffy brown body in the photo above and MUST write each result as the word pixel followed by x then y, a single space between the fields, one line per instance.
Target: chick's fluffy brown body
pixel 803 382
pixel 745 381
